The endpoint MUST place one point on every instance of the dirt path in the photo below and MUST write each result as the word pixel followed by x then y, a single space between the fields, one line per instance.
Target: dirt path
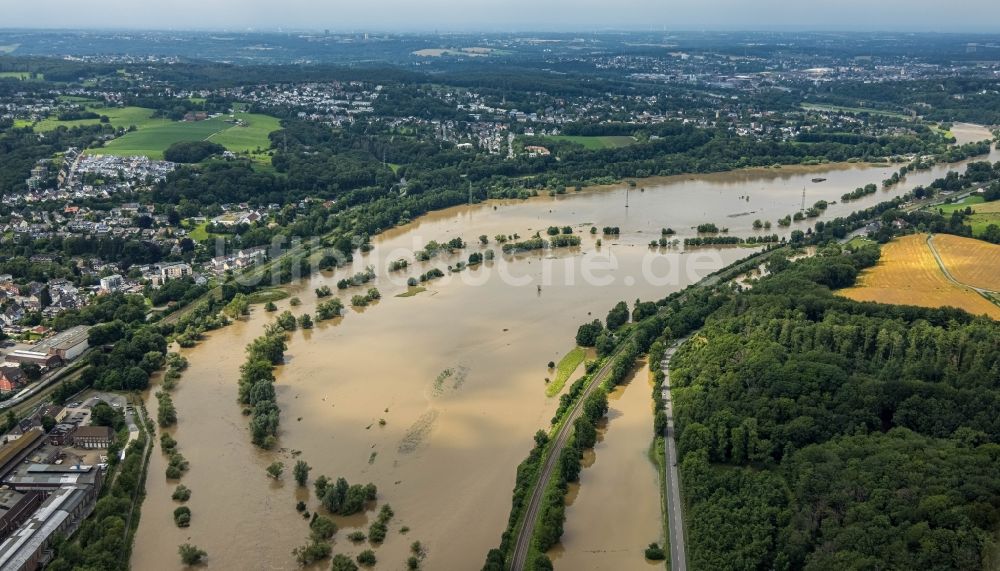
pixel 988 294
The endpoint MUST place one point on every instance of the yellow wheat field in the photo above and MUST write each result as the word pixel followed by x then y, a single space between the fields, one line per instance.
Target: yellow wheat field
pixel 908 274
pixel 969 261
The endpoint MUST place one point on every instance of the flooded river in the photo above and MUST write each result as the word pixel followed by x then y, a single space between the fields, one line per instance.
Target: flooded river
pixel 613 513
pixel 456 372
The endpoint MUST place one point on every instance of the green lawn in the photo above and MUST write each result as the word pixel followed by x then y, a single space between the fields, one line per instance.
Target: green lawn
pixel 153 140
pixel 198 233
pixel 858 242
pixel 569 363
pixel 600 142
pixel 840 109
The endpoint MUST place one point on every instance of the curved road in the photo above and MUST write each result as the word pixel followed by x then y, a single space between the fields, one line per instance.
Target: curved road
pixel 526 531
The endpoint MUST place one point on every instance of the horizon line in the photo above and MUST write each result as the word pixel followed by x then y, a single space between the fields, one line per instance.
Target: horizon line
pixel 788 29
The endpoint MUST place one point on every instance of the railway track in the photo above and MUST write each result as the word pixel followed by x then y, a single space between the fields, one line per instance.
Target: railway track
pixel 527 529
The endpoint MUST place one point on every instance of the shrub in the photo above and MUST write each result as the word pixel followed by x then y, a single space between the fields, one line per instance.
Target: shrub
pixel 342 562
pixel 182 493
pixel 182 516
pixel 190 554
pixel 357 536
pixel 367 558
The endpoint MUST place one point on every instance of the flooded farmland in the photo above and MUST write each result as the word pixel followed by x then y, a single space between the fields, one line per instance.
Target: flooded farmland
pixel 457 372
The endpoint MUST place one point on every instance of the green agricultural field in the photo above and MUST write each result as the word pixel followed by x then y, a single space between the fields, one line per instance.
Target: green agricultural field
pixel 153 140
pixel 248 137
pixel 121 117
pixel 984 213
pixel 599 142
pixel 77 99
pixel 23 75
pixel 960 205
pixel 8 48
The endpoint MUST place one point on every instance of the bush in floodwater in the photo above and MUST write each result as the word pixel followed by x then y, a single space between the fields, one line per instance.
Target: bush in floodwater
pixel 182 516
pixel 357 536
pixel 182 493
pixel 367 558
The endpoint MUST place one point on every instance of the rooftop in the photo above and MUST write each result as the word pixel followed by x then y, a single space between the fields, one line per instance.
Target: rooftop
pixel 93 432
pixel 64 340
pixel 19 548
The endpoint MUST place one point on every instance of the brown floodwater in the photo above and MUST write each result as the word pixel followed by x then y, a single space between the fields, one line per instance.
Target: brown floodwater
pixel 613 513
pixel 457 372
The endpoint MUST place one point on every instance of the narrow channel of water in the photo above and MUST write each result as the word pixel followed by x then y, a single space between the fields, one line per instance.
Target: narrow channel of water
pixel 613 513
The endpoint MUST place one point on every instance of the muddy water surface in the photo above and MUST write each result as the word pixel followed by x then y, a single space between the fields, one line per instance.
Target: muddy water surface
pixel 456 372
pixel 614 511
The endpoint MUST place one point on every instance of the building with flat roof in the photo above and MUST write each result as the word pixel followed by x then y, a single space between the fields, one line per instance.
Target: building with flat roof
pixel 112 283
pixel 68 345
pixel 49 477
pixel 174 270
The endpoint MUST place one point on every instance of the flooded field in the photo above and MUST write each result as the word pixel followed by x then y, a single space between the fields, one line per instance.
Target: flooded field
pixel 457 373
pixel 613 513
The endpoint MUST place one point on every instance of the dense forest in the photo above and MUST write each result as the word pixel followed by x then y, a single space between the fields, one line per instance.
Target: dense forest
pixel 821 433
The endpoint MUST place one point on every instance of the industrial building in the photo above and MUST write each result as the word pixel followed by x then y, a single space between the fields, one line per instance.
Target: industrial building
pixel 28 548
pixel 68 345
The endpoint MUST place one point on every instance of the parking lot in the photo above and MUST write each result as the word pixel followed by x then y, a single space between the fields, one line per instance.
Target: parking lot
pixel 79 411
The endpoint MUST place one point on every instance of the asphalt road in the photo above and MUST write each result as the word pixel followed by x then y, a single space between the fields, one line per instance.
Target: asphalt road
pixel 675 517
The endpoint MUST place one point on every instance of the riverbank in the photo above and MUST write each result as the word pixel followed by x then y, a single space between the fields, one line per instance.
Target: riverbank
pixel 491 327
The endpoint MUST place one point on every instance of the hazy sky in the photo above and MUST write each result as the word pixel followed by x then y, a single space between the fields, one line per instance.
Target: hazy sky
pixel 503 15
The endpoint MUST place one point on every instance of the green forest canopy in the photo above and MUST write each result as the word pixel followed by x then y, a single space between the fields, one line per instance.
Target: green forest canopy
pixel 821 433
